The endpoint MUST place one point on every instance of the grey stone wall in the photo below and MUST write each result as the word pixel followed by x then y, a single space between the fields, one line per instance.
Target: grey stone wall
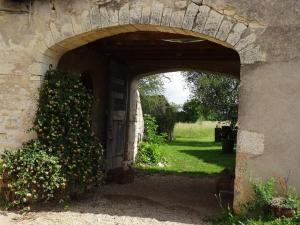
pixel 135 123
pixel 264 33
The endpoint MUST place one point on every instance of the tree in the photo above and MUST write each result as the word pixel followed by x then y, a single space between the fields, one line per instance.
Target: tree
pixel 151 85
pixel 191 111
pixel 164 112
pixel 154 103
pixel 218 95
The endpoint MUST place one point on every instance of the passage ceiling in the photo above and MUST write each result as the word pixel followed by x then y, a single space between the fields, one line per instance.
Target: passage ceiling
pixel 148 52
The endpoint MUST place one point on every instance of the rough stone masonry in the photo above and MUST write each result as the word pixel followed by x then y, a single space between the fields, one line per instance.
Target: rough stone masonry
pixel 264 33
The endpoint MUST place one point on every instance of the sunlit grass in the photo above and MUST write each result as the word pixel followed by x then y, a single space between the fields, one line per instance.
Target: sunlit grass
pixel 203 130
pixel 193 152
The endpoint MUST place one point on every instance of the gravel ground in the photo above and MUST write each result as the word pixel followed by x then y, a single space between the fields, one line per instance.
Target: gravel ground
pixel 149 200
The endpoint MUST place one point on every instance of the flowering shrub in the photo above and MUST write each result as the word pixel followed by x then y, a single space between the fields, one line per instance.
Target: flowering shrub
pixel 66 154
pixel 31 174
pixel 63 126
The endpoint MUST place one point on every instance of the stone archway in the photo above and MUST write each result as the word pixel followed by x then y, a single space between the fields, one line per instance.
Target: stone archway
pixel 195 20
pixel 57 29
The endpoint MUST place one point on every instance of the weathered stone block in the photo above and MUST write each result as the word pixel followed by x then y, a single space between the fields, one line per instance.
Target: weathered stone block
pixel 55 32
pixel 252 55
pixel 213 23
pixel 77 25
pixel 135 15
pixel 156 13
pixel 146 12
pixel 198 2
pixel 38 68
pixel 124 14
pixel 181 4
pixel 85 21
pixel 113 17
pixel 236 33
pixel 177 19
pixel 95 17
pixel 243 43
pixel 225 29
pixel 201 18
pixel 67 30
pixel 190 15
pixel 104 18
pixel 251 142
pixel 166 17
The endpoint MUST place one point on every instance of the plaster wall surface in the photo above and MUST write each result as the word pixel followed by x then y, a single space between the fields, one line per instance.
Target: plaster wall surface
pixel 264 33
pixel 269 108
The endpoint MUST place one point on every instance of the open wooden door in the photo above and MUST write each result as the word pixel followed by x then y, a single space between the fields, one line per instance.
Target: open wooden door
pixel 117 122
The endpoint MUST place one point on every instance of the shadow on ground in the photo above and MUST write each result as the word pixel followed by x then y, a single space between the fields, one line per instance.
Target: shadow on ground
pixel 176 199
pixel 194 143
pixel 214 156
pixel 163 197
pixel 207 152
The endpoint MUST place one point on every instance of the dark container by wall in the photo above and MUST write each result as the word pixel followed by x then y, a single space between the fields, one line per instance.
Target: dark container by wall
pixel 218 134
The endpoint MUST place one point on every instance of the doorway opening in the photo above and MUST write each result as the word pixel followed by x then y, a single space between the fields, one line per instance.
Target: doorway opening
pixel 114 65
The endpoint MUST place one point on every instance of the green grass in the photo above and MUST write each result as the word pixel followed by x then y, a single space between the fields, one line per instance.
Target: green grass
pixel 231 219
pixel 194 152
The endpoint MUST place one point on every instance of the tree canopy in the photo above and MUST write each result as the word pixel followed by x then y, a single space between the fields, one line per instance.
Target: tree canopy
pixel 152 85
pixel 217 95
pixel 156 104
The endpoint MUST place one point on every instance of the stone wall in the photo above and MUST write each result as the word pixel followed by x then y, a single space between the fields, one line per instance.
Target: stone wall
pixel 264 33
pixel 135 123
pixel 139 125
pixel 30 41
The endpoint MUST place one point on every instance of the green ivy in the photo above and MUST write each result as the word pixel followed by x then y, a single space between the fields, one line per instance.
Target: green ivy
pixel 31 174
pixel 66 157
pixel 63 126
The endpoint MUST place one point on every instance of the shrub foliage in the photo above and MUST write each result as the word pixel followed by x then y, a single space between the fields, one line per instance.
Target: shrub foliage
pixel 63 126
pixel 258 209
pixel 31 174
pixel 149 152
pixel 66 153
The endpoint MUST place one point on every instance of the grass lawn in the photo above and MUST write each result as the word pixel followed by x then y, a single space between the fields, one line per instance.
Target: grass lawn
pixel 194 152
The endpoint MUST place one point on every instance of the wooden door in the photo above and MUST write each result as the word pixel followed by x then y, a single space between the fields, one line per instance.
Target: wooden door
pixel 117 118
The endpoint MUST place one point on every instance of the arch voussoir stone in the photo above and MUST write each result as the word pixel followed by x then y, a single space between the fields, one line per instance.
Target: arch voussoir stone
pixel 135 15
pixel 124 14
pixel 28 53
pixel 166 17
pixel 156 13
pixel 213 23
pixel 202 20
pixel 236 33
pixel 225 29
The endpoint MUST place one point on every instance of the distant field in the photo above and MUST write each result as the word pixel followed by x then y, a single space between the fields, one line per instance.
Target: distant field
pixel 203 130
pixel 194 152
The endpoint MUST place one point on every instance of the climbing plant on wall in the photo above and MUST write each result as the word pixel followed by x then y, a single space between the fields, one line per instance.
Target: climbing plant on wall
pixel 63 126
pixel 66 157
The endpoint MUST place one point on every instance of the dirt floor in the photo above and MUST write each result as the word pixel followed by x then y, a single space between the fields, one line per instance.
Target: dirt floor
pixel 149 200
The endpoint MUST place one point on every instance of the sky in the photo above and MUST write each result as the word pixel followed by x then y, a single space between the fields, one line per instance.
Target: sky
pixel 176 89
